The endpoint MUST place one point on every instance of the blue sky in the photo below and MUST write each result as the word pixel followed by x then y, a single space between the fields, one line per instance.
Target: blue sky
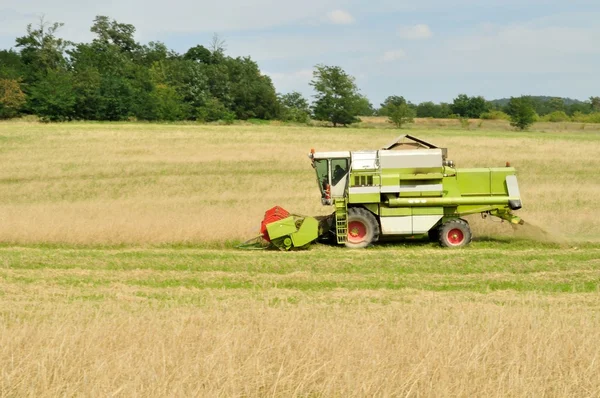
pixel 422 50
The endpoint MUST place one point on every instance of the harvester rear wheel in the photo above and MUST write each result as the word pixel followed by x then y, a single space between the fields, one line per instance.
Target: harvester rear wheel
pixel 363 228
pixel 455 233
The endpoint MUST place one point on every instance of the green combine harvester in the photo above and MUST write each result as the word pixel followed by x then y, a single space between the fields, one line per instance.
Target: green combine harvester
pixel 408 188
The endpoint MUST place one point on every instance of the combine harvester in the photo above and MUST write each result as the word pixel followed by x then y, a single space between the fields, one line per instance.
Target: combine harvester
pixel 406 189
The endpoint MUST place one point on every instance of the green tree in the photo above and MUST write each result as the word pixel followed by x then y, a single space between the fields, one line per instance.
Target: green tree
pixel 477 106
pixel 556 104
pixel 104 81
pixel 112 78
pixel 445 110
pixel 337 95
pixel 199 54
pixel 595 103
pixel 117 100
pixel 385 108
pixel 252 93
pixel 154 52
pixel 52 97
pixel 188 78
pixel 521 111
pixel 12 98
pixel 470 107
pixel 166 104
pixel 364 106
pixel 460 105
pixel 214 110
pixel 294 107
pixel 113 33
pixel 579 108
pixel 400 114
pixel 86 85
pixel 427 109
pixel 11 66
pixel 41 50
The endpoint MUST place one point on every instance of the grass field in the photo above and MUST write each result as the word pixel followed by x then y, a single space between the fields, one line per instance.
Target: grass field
pixel 119 274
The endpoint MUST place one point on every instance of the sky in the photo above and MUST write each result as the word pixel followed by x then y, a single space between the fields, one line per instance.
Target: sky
pixel 426 50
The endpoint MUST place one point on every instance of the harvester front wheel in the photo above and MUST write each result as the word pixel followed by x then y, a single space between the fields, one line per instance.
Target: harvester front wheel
pixel 434 234
pixel 363 228
pixel 455 233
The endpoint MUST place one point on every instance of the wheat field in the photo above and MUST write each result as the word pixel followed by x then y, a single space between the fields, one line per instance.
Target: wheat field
pixel 119 274
pixel 142 183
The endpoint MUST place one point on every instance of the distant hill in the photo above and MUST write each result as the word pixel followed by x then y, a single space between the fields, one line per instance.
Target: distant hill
pixel 541 98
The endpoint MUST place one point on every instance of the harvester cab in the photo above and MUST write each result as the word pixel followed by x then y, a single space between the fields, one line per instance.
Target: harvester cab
pixel 407 188
pixel 332 170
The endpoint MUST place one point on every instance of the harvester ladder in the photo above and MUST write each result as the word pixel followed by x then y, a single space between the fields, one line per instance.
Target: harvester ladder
pixel 341 220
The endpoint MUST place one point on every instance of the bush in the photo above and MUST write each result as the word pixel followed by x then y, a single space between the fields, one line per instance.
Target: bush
pixel 212 111
pixel 495 115
pixel 228 118
pixel 293 107
pixel 556 116
pixel 464 123
pixel 294 115
pixel 258 121
pixel 589 118
pixel 165 104
pixel 579 117
pixel 593 117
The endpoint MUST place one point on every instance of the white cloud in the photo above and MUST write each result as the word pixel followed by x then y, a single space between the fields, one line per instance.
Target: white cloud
pixel 415 32
pixel 290 79
pixel 181 16
pixel 340 17
pixel 286 82
pixel 393 55
pixel 525 48
pixel 302 74
pixel 309 48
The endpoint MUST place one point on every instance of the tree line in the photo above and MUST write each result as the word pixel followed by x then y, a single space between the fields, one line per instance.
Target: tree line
pixel 116 78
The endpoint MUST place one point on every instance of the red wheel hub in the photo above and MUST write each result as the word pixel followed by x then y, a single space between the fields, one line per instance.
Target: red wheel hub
pixel 455 236
pixel 356 231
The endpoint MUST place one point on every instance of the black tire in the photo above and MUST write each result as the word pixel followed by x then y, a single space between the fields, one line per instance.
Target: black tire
pixel 455 233
pixel 363 228
pixel 434 234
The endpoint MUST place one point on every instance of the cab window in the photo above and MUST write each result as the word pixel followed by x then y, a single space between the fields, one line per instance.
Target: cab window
pixel 339 168
pixel 322 168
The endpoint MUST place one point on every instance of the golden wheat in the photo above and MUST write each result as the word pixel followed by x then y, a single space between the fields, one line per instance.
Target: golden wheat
pixel 138 183
pixel 429 345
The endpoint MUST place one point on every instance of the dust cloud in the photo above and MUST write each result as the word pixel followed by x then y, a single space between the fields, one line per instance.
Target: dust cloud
pixel 536 233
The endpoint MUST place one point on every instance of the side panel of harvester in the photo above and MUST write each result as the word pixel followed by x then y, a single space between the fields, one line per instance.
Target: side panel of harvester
pixel 415 173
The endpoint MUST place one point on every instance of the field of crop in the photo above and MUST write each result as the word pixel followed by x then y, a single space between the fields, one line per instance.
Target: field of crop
pixel 119 274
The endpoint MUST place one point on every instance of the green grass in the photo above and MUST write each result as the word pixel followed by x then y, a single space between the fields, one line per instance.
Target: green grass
pixel 483 267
